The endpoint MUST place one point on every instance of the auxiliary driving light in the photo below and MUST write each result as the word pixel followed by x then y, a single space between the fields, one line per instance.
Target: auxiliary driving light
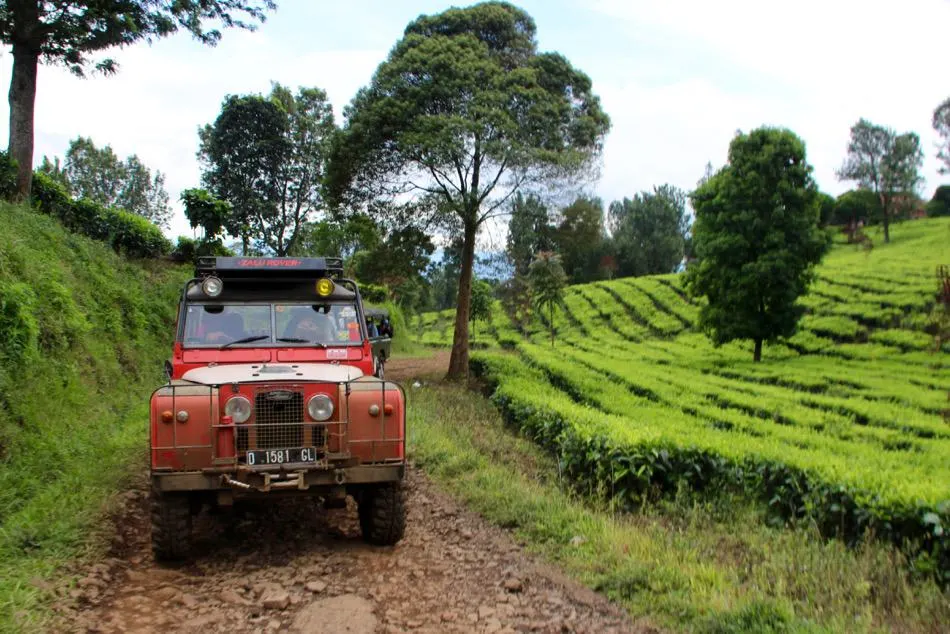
pixel 320 407
pixel 212 286
pixel 238 408
pixel 325 287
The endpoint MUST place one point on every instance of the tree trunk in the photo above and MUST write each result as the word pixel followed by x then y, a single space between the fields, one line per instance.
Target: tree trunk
pixel 458 362
pixel 885 203
pixel 757 355
pixel 22 99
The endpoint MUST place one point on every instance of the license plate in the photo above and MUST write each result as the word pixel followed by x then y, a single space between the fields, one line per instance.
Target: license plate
pixel 281 456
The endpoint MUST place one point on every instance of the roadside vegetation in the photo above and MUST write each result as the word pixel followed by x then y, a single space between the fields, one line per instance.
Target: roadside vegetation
pixel 83 334
pixel 680 562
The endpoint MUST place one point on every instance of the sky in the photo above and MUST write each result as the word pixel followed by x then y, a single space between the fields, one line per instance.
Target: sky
pixel 678 79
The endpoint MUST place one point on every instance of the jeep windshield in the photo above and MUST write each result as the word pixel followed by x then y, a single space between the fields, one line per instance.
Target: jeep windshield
pixel 236 325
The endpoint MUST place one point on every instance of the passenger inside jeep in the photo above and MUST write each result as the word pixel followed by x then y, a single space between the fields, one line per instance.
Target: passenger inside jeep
pixel 310 326
pixel 226 327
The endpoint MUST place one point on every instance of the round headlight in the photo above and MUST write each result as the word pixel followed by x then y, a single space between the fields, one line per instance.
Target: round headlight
pixel 239 409
pixel 212 286
pixel 320 407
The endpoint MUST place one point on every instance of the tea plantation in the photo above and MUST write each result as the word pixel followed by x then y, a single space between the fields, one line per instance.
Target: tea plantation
pixel 846 424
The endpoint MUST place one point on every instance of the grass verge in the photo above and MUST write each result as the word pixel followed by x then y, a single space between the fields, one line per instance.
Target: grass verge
pixel 685 565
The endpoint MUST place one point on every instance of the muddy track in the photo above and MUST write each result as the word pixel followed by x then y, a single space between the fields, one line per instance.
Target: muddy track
pixel 296 567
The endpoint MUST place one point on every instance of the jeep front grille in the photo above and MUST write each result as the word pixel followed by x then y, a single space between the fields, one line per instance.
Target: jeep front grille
pixel 279 423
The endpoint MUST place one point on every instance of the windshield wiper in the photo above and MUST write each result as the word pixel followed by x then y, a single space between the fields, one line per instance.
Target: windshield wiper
pixel 244 340
pixel 319 344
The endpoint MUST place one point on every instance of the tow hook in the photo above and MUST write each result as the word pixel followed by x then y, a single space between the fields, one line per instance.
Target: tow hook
pixel 339 476
pixel 298 481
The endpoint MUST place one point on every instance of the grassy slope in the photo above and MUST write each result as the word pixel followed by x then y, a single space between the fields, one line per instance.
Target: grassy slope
pixel 83 334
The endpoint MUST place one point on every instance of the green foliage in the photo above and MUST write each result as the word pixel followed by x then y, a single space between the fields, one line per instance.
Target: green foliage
pixel 886 163
pixel 443 100
pixel 204 210
pixel 266 156
pixel 826 207
pixel 529 232
pixel 939 205
pixel 127 233
pixel 81 330
pixel 482 300
pixel 8 168
pixel 98 174
pixel 757 239
pixel 189 250
pixel 580 239
pixel 18 328
pixel 941 124
pixel 857 205
pixel 547 279
pixel 374 293
pixel 649 231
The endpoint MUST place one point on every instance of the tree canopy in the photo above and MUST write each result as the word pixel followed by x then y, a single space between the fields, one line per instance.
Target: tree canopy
pixel 547 280
pixel 649 231
pixel 529 232
pixel 941 124
pixel 68 32
pixel 757 239
pixel 267 157
pixel 885 163
pixel 99 175
pixel 465 111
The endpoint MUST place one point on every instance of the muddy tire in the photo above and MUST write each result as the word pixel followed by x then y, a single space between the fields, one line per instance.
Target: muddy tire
pixel 382 511
pixel 171 526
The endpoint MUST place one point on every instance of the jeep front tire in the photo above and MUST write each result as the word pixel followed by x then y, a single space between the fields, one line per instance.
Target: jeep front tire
pixel 171 526
pixel 382 511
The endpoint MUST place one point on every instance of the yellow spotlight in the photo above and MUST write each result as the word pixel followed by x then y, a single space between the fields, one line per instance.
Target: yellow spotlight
pixel 325 287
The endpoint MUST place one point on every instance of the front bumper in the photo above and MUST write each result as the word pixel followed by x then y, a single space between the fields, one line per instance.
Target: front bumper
pixel 264 481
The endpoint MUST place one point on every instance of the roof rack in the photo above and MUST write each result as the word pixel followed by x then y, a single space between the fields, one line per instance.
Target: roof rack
pixel 248 267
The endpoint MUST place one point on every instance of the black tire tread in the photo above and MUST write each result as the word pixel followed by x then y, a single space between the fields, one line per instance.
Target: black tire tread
pixel 382 511
pixel 171 526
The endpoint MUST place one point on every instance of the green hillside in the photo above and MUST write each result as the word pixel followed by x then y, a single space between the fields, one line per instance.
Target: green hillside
pixel 83 333
pixel 844 424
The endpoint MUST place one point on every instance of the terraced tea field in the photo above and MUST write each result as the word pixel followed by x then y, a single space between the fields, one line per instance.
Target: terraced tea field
pixel 845 424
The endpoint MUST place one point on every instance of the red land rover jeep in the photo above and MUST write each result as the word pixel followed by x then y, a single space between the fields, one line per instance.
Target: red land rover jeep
pixel 271 392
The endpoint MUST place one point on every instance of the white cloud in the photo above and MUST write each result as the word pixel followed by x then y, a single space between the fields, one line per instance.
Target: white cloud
pixel 162 93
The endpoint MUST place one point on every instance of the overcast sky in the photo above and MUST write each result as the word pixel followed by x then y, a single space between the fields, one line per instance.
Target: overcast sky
pixel 677 78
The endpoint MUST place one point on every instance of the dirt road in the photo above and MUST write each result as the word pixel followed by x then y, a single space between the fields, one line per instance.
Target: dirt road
pixel 295 567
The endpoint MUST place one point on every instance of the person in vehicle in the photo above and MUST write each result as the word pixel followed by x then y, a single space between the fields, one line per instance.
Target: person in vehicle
pixel 371 327
pixel 312 327
pixel 224 327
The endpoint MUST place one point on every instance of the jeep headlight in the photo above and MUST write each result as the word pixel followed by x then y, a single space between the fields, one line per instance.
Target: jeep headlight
pixel 239 409
pixel 320 407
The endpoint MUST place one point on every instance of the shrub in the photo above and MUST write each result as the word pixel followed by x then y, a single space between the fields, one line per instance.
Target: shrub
pixel 189 249
pixel 7 176
pixel 374 293
pixel 126 232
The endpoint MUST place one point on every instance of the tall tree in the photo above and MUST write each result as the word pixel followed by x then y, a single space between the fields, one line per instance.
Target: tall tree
pixel 580 239
pixel 884 162
pixel 649 231
pixel 465 110
pixel 67 32
pixel 757 238
pixel 266 155
pixel 529 232
pixel 547 278
pixel 100 175
pixel 941 124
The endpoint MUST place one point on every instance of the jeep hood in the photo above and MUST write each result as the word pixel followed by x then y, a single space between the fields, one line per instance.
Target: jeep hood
pixel 267 372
